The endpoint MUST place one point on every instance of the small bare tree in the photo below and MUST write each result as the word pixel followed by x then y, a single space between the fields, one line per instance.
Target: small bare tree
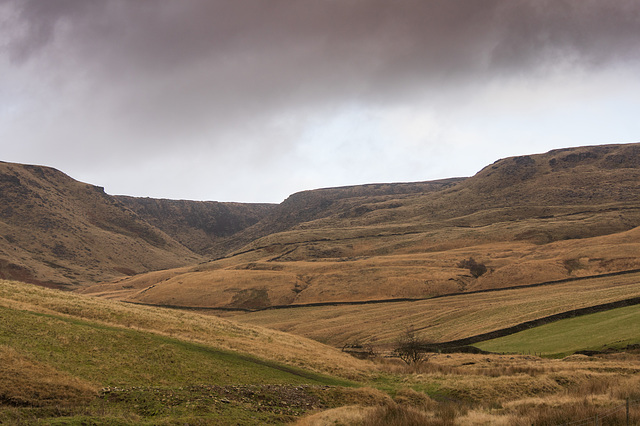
pixel 410 348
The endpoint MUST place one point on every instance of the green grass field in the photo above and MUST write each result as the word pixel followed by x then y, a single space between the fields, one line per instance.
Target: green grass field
pixel 610 329
pixel 62 369
pixel 112 356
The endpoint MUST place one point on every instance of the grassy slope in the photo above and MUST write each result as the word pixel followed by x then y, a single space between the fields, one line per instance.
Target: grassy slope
pixel 58 350
pixel 113 356
pixel 215 332
pixel 530 219
pixel 446 318
pixel 614 328
pixel 252 280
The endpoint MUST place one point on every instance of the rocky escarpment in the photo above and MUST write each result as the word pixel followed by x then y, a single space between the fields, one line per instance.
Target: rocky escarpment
pixel 197 224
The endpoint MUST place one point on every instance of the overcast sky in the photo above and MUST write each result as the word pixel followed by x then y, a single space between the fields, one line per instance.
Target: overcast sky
pixel 252 100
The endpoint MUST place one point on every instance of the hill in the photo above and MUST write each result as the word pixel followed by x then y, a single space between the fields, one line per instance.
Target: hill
pixel 198 225
pixel 522 220
pixel 446 318
pixel 69 359
pixel 59 232
pixel 83 359
pixel 348 201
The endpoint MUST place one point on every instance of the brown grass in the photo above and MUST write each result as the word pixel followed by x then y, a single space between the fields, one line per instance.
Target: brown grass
pixel 531 391
pixel 217 332
pixel 563 214
pixel 446 318
pixel 393 273
pixel 27 383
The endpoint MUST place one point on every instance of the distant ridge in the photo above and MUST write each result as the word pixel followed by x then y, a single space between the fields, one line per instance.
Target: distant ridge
pixel 197 224
pixel 530 219
pixel 58 232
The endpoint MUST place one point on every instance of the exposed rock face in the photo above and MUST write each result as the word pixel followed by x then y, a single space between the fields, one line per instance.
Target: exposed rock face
pixel 197 224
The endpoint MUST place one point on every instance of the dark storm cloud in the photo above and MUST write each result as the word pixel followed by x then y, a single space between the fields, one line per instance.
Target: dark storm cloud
pixel 191 73
pixel 282 48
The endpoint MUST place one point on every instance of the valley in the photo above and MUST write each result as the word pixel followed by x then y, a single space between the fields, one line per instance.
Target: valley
pixel 193 311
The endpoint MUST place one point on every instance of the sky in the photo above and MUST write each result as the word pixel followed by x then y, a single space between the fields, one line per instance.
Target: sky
pixel 253 100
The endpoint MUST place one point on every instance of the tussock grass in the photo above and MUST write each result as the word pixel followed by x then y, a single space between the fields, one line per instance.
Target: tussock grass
pixel 543 392
pixel 148 355
pixel 532 390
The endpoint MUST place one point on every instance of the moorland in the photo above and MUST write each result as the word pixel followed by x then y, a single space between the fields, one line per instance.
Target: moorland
pixel 520 285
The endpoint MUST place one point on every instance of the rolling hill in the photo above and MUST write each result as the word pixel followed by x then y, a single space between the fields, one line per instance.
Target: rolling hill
pixel 77 360
pixel 59 232
pixel 526 239
pixel 523 220
pixel 447 318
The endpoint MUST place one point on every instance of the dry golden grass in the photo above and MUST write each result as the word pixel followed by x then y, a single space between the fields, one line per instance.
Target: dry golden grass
pixel 25 382
pixel 446 318
pixel 251 280
pixel 349 415
pixel 540 392
pixel 563 214
pixel 217 332
pixel 467 389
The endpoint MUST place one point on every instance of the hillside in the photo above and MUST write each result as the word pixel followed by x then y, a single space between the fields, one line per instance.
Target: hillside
pixel 522 220
pixel 198 225
pixel 348 201
pixel 65 355
pixel 446 318
pixel 69 359
pixel 59 232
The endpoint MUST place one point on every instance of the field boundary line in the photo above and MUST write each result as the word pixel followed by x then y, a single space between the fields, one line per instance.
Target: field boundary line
pixel 537 322
pixel 394 300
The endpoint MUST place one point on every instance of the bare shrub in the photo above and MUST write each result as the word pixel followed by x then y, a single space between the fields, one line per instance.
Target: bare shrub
pixel 410 348
pixel 476 269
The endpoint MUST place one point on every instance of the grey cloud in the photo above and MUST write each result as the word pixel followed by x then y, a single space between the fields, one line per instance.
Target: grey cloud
pixel 220 72
pixel 196 60
pixel 374 40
